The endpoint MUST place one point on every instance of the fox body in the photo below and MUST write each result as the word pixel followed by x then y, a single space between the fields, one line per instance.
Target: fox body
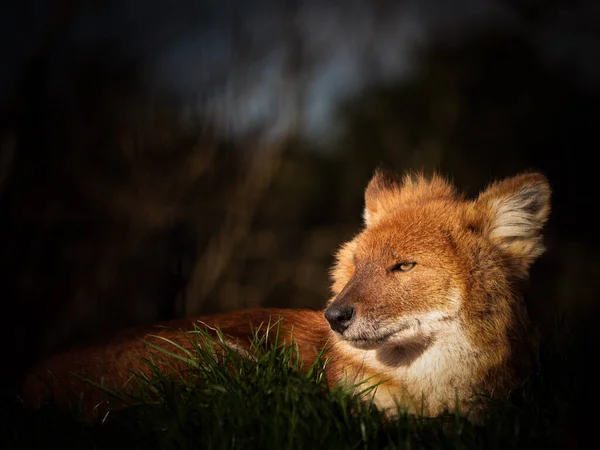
pixel 426 303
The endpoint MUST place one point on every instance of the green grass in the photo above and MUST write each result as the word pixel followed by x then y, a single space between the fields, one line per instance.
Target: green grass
pixel 267 402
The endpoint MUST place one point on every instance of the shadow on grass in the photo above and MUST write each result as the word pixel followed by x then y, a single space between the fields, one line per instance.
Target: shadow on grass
pixel 230 401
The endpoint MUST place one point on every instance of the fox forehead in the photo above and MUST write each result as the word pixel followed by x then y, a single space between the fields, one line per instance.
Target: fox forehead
pixel 428 231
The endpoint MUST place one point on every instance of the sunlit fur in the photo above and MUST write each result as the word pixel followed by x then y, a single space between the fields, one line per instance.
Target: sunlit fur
pixel 455 325
pixel 436 336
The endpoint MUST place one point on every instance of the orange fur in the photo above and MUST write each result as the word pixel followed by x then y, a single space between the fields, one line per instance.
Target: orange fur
pixel 425 301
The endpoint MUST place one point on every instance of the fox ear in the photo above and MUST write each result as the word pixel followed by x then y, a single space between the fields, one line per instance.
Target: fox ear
pixel 386 192
pixel 515 211
pixel 379 195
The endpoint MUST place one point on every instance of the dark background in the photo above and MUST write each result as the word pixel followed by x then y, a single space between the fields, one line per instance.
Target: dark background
pixel 161 160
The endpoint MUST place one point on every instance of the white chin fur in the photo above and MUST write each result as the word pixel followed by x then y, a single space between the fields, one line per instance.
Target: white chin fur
pixel 415 330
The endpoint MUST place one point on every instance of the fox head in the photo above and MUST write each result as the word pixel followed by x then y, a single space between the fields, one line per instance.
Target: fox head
pixel 427 258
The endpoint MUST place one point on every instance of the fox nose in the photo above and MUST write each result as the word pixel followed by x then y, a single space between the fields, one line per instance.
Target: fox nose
pixel 339 317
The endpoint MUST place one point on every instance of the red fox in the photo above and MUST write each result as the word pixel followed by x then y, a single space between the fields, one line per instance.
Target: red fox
pixel 425 303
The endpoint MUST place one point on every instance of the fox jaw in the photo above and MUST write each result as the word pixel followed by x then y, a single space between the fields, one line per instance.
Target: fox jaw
pixel 425 296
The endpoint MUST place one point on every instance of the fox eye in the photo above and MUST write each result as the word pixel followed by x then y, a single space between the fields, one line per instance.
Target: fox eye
pixel 404 266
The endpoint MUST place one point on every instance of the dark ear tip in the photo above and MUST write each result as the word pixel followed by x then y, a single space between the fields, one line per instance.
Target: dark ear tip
pixel 536 178
pixel 533 182
pixel 539 184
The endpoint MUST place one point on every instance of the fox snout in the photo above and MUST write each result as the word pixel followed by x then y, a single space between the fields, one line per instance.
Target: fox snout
pixel 340 314
pixel 340 317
